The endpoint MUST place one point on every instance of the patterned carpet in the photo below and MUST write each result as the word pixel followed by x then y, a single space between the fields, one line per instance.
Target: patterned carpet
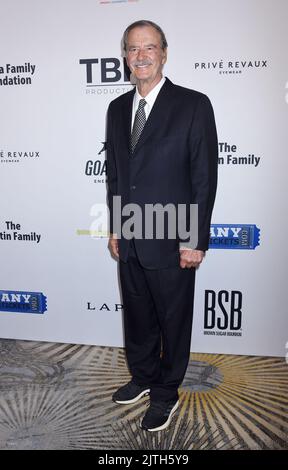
pixel 58 396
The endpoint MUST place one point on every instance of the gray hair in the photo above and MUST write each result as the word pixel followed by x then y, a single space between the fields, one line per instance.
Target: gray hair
pixel 140 24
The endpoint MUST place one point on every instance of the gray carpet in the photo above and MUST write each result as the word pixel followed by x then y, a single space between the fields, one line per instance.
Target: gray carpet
pixel 58 396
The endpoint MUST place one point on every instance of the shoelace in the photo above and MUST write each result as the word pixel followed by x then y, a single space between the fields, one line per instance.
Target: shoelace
pixel 161 407
pixel 132 386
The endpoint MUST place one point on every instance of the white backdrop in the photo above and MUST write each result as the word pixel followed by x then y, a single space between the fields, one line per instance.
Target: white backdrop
pixel 55 88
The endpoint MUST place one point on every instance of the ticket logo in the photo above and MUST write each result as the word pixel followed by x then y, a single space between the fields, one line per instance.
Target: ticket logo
pixel 234 236
pixel 22 302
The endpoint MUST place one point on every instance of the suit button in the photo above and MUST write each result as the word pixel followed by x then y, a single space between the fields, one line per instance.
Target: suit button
pixel 132 187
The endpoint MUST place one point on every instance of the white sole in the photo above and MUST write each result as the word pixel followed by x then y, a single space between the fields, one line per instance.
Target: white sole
pixel 134 400
pixel 166 424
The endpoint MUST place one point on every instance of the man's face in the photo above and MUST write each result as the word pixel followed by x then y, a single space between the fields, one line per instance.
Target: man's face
pixel 145 56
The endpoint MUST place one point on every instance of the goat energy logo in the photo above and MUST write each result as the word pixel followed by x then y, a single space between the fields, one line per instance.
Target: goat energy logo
pixel 96 167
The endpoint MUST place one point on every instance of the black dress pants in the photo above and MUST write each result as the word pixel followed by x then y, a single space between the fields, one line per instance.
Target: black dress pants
pixel 158 312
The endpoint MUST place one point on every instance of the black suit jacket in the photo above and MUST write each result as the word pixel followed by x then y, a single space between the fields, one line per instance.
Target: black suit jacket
pixel 175 161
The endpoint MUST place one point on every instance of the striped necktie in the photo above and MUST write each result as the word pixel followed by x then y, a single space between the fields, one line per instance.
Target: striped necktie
pixel 138 125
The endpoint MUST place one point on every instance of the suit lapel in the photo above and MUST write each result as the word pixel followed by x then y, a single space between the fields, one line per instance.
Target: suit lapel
pixel 159 110
pixel 127 116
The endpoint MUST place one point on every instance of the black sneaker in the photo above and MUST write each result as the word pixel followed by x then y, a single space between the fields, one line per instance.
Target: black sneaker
pixel 130 393
pixel 159 415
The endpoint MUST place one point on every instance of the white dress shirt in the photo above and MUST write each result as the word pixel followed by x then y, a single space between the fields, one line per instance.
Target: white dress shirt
pixel 150 100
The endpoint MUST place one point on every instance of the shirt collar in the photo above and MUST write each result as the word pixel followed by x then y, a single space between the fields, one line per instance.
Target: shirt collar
pixel 152 95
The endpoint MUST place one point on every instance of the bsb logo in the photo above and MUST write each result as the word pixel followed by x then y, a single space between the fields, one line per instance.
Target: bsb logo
pixel 107 71
pixel 223 313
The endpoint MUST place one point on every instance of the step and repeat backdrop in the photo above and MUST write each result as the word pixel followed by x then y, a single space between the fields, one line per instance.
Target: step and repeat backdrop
pixel 60 66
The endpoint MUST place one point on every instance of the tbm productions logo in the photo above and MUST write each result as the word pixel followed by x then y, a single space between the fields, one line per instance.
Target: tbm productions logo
pixel 223 313
pixel 109 75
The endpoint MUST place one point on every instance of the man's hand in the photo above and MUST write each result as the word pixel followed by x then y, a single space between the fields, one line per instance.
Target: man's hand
pixel 113 245
pixel 191 258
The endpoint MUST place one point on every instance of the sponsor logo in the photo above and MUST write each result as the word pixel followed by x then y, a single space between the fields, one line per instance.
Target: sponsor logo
pixel 13 232
pixel 97 168
pixel 106 76
pixel 18 156
pixel 230 67
pixel 223 313
pixel 22 301
pixel 234 236
pixel 16 74
pixel 228 155
pixel 105 307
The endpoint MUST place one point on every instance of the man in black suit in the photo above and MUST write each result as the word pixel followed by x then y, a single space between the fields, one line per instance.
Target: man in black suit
pixel 161 149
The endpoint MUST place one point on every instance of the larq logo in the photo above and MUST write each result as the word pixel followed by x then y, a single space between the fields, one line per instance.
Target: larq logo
pixel 109 75
pixel 22 302
pixel 232 236
pixel 105 307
